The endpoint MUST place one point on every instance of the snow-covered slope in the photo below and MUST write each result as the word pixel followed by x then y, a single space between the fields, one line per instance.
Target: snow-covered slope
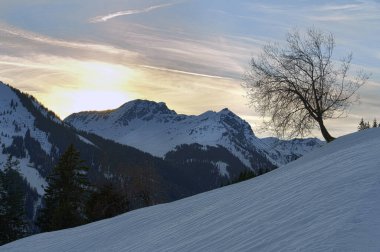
pixel 18 128
pixel 15 121
pixel 154 128
pixel 327 200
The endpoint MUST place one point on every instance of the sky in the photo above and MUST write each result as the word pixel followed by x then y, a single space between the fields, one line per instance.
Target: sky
pixel 191 54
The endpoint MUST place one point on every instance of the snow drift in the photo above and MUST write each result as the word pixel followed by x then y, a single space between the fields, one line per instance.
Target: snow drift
pixel 327 200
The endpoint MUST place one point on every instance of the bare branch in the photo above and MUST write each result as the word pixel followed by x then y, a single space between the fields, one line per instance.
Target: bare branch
pixel 298 85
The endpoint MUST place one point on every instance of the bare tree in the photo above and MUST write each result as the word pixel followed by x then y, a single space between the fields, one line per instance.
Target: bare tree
pixel 298 86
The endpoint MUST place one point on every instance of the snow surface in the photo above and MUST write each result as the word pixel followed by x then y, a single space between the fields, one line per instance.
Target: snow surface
pixel 327 200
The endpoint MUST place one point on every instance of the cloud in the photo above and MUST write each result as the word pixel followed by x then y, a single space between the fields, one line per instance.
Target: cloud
pixel 212 55
pixel 334 7
pixel 184 72
pixel 332 18
pixel 105 18
pixel 16 32
pixel 187 93
pixel 361 10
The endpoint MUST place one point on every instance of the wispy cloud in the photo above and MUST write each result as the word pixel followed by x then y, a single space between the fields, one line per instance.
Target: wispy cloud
pixel 333 17
pixel 334 7
pixel 105 18
pixel 361 10
pixel 209 55
pixel 185 72
pixel 16 32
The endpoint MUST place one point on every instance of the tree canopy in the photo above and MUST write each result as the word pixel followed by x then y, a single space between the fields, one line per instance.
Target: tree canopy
pixel 12 199
pixel 65 196
pixel 298 85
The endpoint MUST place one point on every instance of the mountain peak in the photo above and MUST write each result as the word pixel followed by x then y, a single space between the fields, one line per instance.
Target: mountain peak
pixel 142 109
pixel 225 110
pixel 140 105
pixel 141 102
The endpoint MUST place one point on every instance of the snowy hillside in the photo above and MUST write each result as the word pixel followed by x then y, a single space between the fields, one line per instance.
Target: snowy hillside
pixel 20 133
pixel 154 128
pixel 16 121
pixel 327 200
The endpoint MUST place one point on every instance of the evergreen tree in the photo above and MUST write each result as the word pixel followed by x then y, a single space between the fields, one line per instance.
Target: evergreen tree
pixel 66 193
pixel 368 125
pixel 106 202
pixel 245 175
pixel 374 125
pixel 363 125
pixel 12 199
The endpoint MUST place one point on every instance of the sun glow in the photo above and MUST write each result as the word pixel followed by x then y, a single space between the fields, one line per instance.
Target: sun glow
pixel 100 86
pixel 99 75
pixel 88 85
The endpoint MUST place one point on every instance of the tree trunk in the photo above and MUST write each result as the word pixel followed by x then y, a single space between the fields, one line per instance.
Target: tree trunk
pixel 326 135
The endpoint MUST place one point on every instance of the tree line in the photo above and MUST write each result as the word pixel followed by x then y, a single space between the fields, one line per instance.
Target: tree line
pixel 366 125
pixel 70 199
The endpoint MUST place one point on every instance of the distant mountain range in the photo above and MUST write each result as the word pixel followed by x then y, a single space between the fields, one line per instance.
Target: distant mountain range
pixel 154 128
pixel 176 155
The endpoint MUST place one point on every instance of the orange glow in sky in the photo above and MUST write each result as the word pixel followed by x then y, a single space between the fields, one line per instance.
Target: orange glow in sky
pixel 92 86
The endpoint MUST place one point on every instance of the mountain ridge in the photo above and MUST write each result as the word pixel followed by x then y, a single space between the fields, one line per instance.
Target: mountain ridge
pixel 156 123
pixel 37 138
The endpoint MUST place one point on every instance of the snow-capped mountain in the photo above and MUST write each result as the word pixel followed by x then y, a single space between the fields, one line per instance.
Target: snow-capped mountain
pixel 16 122
pixel 327 200
pixel 152 127
pixel 198 153
pixel 21 138
pixel 36 137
